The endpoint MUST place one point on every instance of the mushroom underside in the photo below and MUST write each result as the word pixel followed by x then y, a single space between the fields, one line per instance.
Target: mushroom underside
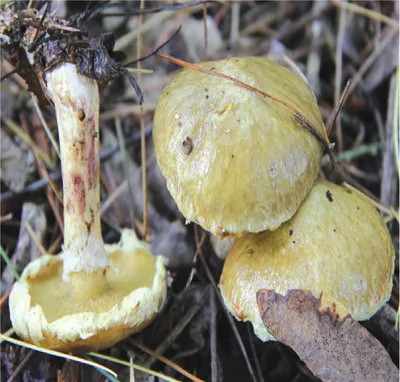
pixel 90 311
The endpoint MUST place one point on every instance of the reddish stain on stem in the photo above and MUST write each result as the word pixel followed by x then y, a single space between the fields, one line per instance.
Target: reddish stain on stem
pixel 80 193
pixel 91 158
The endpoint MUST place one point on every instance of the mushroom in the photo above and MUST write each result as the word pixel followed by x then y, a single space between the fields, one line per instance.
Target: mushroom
pixel 91 295
pixel 336 244
pixel 236 160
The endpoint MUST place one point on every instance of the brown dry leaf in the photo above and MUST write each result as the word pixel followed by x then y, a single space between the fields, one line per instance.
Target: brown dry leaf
pixel 334 346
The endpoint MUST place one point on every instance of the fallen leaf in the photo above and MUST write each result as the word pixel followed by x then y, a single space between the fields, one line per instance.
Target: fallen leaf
pixel 15 165
pixel 333 345
pixel 26 250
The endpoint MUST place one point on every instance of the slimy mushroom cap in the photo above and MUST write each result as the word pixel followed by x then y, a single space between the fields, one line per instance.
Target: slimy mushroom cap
pixel 234 160
pixel 336 243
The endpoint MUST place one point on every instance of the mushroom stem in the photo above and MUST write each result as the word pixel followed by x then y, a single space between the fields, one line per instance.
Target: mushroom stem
pixel 76 101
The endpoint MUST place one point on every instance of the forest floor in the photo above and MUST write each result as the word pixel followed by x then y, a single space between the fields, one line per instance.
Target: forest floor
pixel 329 43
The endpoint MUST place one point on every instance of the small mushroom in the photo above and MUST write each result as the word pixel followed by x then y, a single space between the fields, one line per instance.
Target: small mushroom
pixel 246 163
pixel 91 295
pixel 335 244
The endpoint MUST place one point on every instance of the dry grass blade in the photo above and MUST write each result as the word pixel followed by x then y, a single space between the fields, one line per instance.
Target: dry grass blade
pixel 338 107
pixel 392 33
pixel 8 262
pixel 27 139
pixel 113 197
pixel 379 206
pixel 121 142
pixel 43 171
pixel 4 298
pixel 205 28
pixel 396 120
pixel 175 332
pixel 45 126
pixel 193 271
pixel 136 366
pixel 57 354
pixel 228 315
pixel 20 366
pixel 213 338
pixel 168 362
pixel 338 72
pixel 365 12
pixel 50 197
pixel 142 133
pixel 234 32
pixel 35 239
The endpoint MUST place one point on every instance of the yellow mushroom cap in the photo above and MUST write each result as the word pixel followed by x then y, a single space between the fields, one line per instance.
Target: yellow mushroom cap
pixel 76 317
pixel 234 160
pixel 336 243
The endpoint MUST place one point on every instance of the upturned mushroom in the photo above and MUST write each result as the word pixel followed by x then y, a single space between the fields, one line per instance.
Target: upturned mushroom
pixel 336 244
pixel 91 295
pixel 236 160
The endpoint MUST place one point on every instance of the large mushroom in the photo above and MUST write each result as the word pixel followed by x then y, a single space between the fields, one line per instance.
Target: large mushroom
pixel 336 244
pixel 91 295
pixel 234 159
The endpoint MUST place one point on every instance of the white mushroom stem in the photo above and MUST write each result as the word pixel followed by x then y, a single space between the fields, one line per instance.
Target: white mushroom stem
pixel 76 101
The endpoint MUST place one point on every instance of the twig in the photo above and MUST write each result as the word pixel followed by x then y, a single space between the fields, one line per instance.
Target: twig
pixel 338 72
pixel 288 61
pixel 9 263
pixel 253 351
pixel 168 362
pixel 45 126
pixel 396 121
pixel 55 245
pixel 377 204
pixel 392 33
pixel 205 28
pixel 213 337
pixel 388 180
pixel 136 366
pixel 8 75
pixel 44 174
pixel 131 368
pixel 27 139
pixel 113 196
pixel 338 107
pixel 143 71
pixel 107 178
pixel 174 333
pixel 35 239
pixel 314 57
pixel 302 22
pixel 193 271
pixel 234 33
pixel 365 12
pixel 228 315
pixel 56 353
pixel 124 111
pixel 4 298
pixel 222 13
pixel 121 143
pixel 142 134
pixel 371 148
pixel 21 366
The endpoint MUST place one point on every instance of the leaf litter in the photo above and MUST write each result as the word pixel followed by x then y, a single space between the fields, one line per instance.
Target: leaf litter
pixel 258 27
